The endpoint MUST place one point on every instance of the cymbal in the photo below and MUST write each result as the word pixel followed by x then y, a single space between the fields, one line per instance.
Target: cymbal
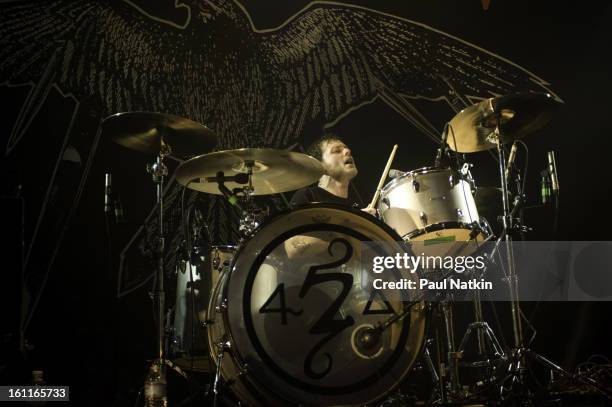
pixel 143 132
pixel 473 129
pixel 274 171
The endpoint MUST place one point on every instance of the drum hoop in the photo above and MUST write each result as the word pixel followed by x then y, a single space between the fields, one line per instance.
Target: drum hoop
pixel 236 354
pixel 388 229
pixel 434 227
pixel 418 171
pixel 224 246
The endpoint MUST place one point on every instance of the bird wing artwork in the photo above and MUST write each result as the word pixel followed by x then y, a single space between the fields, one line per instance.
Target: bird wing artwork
pixel 254 87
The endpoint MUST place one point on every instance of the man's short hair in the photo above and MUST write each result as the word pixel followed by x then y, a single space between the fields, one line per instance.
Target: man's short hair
pixel 318 146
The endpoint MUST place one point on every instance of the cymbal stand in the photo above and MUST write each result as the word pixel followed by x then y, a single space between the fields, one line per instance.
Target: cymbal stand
pixel 156 384
pixel 248 221
pixel 247 225
pixel 507 222
pixel 518 354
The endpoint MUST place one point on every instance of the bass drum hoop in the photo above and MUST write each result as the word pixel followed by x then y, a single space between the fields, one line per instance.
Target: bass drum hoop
pixel 248 389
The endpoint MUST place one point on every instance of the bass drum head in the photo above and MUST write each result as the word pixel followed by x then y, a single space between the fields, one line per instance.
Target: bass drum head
pixel 298 321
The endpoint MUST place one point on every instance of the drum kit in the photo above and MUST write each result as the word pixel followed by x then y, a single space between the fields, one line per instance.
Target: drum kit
pixel 275 330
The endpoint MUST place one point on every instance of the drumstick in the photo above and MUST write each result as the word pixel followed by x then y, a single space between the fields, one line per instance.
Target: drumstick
pixel 383 178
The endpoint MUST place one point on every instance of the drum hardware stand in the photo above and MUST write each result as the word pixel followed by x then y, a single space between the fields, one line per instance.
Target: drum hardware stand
pixel 449 390
pixel 159 171
pixel 222 346
pixel 451 387
pixel 429 362
pixel 519 353
pixel 484 336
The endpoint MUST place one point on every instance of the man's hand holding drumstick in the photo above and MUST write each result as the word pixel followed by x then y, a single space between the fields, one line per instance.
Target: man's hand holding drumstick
pixel 371 208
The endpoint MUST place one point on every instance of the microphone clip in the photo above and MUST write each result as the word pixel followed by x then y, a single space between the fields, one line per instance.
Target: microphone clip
pixel 442 153
pixel 232 198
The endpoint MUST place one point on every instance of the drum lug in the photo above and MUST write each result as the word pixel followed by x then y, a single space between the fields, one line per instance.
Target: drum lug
pixel 224 344
pixel 459 212
pixel 243 372
pixel 451 181
pixel 221 307
pixel 216 262
pixel 423 217
pixel 415 185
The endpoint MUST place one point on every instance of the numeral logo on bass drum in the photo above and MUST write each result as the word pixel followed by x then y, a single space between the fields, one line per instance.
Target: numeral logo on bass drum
pixel 327 324
pixel 280 292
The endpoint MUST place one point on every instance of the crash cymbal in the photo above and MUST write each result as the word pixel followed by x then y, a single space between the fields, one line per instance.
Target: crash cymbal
pixel 473 129
pixel 274 171
pixel 143 132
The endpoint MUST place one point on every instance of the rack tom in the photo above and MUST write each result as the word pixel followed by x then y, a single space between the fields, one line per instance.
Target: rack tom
pixel 433 206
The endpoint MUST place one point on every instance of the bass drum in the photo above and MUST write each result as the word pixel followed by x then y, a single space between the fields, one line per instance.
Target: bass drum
pixel 299 319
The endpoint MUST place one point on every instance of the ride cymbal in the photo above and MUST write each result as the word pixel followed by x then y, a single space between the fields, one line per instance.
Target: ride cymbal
pixel 152 133
pixel 473 129
pixel 274 171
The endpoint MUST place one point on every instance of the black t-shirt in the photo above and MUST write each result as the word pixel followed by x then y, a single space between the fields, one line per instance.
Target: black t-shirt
pixel 317 194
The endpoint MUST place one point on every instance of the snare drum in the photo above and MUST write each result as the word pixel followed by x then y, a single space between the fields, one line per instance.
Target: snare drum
pixel 294 327
pixel 189 348
pixel 432 205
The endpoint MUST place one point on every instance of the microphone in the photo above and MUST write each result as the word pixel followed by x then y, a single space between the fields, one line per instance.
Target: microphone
pixel 442 149
pixel 107 193
pixel 511 158
pixel 232 198
pixel 240 178
pixel 119 218
pixel 395 173
pixel 545 187
pixel 552 169
pixel 438 158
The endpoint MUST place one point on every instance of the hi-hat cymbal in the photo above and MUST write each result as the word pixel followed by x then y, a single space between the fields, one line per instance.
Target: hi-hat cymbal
pixel 274 171
pixel 143 132
pixel 473 129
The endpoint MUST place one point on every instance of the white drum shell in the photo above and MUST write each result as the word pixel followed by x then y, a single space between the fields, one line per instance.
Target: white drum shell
pixel 418 201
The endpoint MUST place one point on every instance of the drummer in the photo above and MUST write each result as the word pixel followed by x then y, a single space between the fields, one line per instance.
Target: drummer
pixel 333 187
pixel 340 168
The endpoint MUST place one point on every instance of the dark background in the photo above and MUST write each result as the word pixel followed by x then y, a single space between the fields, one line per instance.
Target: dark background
pixel 84 337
